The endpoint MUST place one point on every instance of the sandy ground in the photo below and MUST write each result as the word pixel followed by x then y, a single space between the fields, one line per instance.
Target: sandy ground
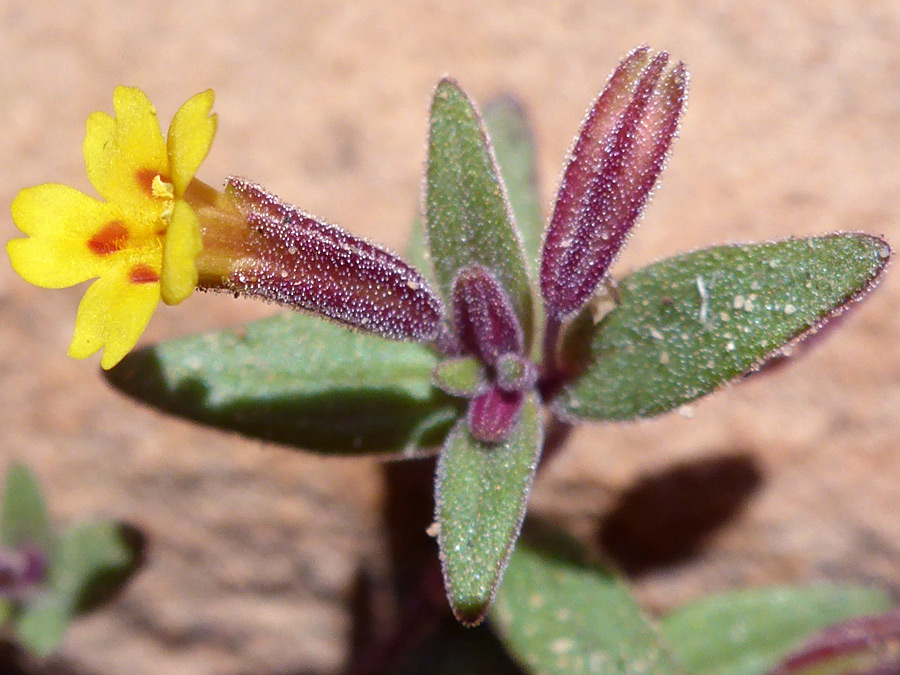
pixel 792 128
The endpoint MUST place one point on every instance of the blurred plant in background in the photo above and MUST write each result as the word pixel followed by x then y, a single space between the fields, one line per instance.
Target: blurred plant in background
pixel 49 577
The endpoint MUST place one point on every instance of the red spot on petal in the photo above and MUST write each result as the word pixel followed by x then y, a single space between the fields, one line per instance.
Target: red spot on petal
pixel 143 274
pixel 112 237
pixel 144 178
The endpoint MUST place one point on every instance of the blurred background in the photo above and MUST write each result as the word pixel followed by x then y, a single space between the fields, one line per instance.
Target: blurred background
pixel 793 128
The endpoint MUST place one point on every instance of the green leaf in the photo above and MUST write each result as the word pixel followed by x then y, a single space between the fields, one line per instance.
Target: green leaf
pixel 513 142
pixel 24 520
pixel 461 376
pixel 298 380
pixel 744 633
pixel 481 494
pixel 688 324
pixel 468 216
pixel 558 613
pixel 42 623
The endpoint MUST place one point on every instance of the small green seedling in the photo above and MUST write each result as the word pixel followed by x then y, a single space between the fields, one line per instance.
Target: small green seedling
pixel 47 578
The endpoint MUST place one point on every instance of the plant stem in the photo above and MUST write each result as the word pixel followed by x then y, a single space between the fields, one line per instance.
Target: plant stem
pixel 419 618
pixel 551 338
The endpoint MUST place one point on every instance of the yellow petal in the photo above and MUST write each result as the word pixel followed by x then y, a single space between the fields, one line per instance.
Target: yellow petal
pixel 113 314
pixel 124 153
pixel 190 137
pixel 180 250
pixel 60 221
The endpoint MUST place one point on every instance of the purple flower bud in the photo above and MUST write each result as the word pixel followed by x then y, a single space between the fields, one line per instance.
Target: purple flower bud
pixel 492 415
pixel 484 317
pixel 294 259
pixel 612 169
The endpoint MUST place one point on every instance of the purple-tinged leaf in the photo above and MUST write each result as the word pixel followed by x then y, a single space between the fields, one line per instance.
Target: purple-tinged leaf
pixel 492 415
pixel 869 645
pixel 612 169
pixel 483 315
pixel 294 259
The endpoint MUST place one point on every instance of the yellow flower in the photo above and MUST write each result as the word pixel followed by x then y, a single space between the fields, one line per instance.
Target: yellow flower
pixel 142 241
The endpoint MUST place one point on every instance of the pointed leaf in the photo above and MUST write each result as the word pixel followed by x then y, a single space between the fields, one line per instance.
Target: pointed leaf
pixel 297 380
pixel 468 216
pixel 558 613
pixel 746 632
pixel 513 142
pixel 612 169
pixel 24 521
pixel 690 323
pixel 481 494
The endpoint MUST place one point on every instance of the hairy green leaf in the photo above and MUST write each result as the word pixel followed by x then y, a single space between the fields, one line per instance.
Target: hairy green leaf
pixel 513 142
pixel 746 632
pixel 461 376
pixel 468 216
pixel 297 380
pixel 690 323
pixel 481 494
pixel 558 613
pixel 24 521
